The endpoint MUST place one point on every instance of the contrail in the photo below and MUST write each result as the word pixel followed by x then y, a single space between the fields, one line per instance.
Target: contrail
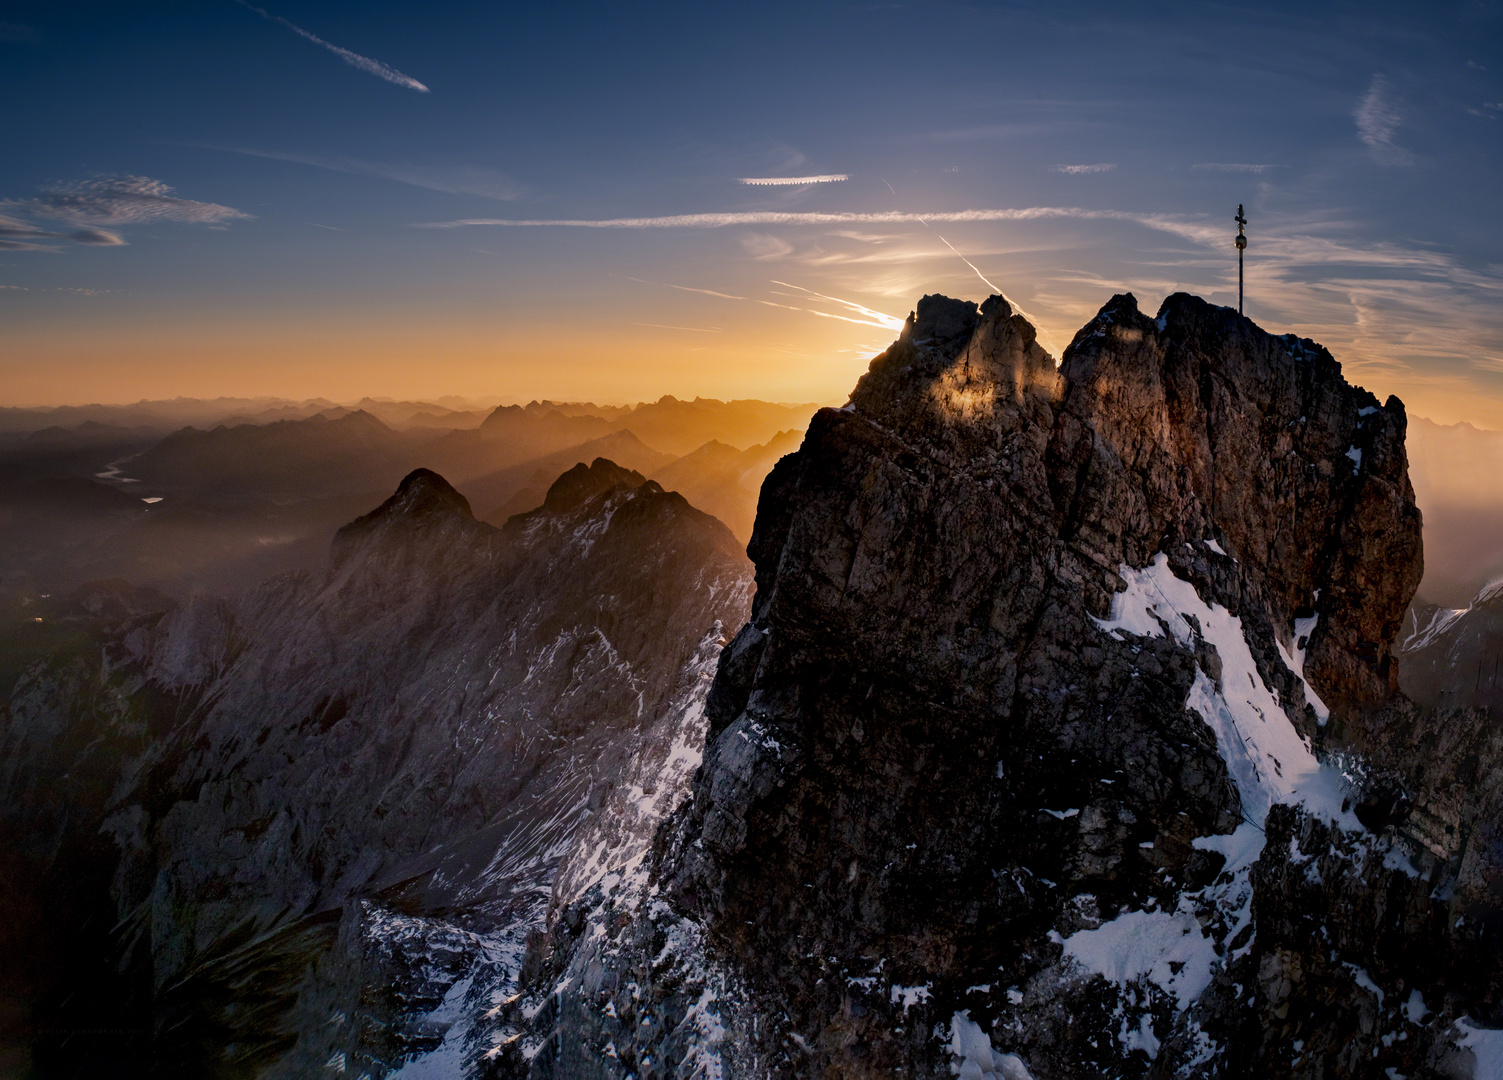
pixel 968 262
pixel 787 181
pixel 354 59
pixel 951 246
pixel 888 321
pixel 686 288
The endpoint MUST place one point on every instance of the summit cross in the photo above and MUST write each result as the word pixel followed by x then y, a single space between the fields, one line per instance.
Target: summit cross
pixel 1241 246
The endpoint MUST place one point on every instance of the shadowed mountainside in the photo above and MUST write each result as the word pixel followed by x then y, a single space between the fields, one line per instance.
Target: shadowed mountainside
pixel 343 794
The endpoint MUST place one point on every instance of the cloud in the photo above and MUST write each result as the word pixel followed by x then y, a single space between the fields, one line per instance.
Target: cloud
pixel 10 228
pixel 15 32
pixel 354 59
pixel 119 200
pixel 455 180
pixel 780 217
pixel 1489 110
pixel 791 181
pixel 763 246
pixel 1217 166
pixel 1377 120
pixel 1078 170
pixel 96 237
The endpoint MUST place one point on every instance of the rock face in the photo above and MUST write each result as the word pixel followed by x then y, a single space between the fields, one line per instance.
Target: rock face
pixel 333 807
pixel 1030 759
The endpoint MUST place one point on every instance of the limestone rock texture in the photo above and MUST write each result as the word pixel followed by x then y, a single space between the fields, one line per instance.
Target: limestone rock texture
pixel 991 789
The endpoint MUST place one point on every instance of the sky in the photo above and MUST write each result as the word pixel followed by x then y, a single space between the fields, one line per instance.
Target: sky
pixel 615 202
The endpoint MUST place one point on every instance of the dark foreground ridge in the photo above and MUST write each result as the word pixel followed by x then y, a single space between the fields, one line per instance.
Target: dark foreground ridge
pixel 1065 740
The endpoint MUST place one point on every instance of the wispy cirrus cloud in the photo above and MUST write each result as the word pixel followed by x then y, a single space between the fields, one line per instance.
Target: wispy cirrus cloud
pixel 119 200
pixel 22 236
pixel 1233 167
pixel 1084 170
pixel 10 31
pixel 105 200
pixel 96 237
pixel 453 179
pixel 1377 119
pixel 354 59
pixel 779 217
pixel 792 181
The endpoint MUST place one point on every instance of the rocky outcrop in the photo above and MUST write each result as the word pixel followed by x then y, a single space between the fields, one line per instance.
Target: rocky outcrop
pixel 334 805
pixel 1062 741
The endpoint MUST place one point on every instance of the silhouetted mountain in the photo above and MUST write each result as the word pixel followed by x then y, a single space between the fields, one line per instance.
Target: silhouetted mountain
pixel 523 487
pixel 509 436
pixel 161 415
pixel 680 427
pixel 299 457
pixel 724 481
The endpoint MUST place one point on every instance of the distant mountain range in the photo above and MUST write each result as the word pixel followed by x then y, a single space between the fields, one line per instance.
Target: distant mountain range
pixel 255 487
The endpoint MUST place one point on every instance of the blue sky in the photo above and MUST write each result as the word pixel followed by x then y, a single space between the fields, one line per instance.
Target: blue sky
pixel 322 198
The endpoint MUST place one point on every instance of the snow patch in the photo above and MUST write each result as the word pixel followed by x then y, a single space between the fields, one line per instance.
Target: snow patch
pixel 1356 456
pixel 909 996
pixel 1486 1045
pixel 975 1059
pixel 1364 980
pixel 1294 660
pixel 1167 948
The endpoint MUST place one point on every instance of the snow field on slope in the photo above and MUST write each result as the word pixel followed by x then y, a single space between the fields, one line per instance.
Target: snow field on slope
pixel 1268 760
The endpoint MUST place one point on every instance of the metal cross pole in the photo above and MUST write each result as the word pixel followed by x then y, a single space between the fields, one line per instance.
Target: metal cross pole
pixel 1241 246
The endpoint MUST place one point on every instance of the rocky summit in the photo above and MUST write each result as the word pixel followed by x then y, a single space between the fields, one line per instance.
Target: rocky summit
pixel 1066 739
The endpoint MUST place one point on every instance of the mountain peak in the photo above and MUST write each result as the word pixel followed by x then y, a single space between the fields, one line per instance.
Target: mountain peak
pixel 423 501
pixel 586 481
